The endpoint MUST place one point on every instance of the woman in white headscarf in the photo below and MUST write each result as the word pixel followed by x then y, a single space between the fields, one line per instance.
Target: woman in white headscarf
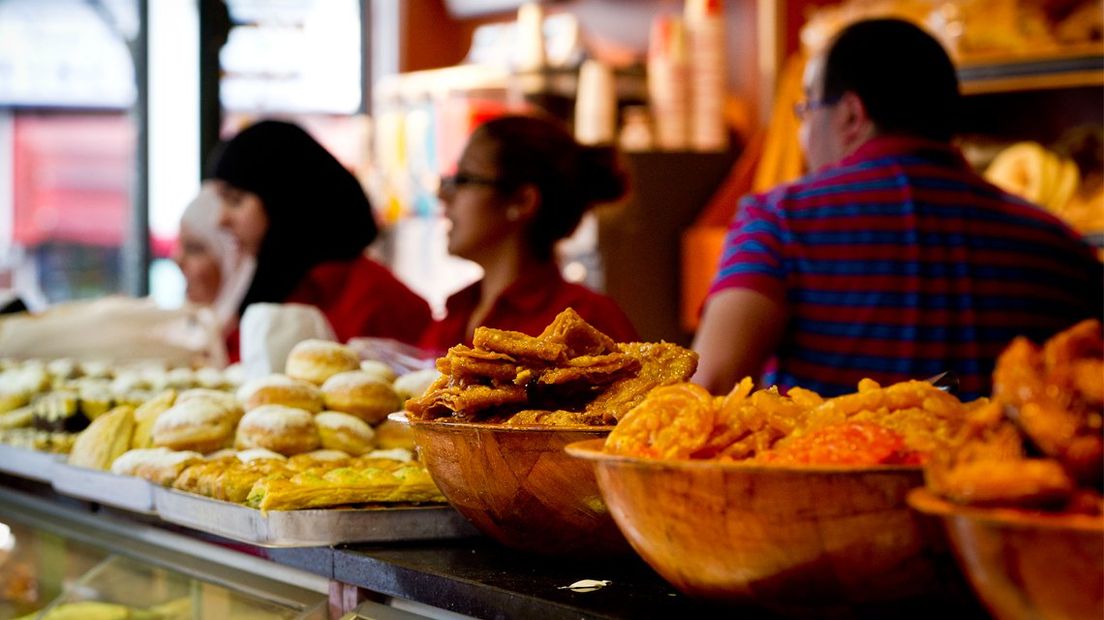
pixel 217 273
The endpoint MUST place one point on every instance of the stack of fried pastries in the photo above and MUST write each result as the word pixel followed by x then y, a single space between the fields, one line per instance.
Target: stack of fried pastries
pixel 570 374
pixel 1040 443
pixel 272 484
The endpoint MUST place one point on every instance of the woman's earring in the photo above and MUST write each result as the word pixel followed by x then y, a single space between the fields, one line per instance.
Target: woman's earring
pixel 512 214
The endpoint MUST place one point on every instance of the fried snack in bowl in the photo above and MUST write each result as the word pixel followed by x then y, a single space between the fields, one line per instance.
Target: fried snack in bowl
pixel 786 501
pixel 1019 487
pixel 518 486
pixel 800 540
pixel 492 429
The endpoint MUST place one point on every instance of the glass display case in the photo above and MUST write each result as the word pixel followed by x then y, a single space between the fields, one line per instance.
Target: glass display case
pixel 54 568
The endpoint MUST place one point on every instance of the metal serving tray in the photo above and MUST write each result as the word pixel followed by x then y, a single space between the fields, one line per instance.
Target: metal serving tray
pixel 126 492
pixel 310 528
pixel 30 464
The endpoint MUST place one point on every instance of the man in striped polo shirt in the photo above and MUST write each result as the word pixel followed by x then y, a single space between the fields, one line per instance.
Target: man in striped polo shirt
pixel 893 260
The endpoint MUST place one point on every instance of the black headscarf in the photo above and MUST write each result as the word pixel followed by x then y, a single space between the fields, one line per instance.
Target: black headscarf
pixel 317 210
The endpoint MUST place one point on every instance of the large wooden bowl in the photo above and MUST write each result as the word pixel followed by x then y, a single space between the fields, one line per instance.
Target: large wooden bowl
pixel 1026 565
pixel 518 486
pixel 786 538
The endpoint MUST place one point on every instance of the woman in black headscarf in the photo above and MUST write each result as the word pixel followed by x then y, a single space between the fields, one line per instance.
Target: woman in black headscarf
pixel 306 219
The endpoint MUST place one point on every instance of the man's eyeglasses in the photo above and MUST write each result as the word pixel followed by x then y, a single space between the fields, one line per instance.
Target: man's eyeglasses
pixel 454 182
pixel 802 109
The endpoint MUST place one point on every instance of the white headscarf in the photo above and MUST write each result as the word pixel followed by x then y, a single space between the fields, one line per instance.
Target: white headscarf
pixel 201 216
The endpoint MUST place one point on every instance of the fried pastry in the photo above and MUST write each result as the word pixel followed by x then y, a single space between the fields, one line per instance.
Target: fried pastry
pixel 360 394
pixel 317 360
pixel 571 374
pixel 281 390
pixel 198 425
pixel 278 428
pixel 158 465
pixel 341 431
pixel 104 440
pixel 145 416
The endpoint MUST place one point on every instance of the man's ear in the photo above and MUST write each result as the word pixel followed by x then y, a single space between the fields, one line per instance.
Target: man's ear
pixel 854 124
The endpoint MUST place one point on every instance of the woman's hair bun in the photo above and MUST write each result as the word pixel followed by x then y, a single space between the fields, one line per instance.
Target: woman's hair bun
pixel 601 177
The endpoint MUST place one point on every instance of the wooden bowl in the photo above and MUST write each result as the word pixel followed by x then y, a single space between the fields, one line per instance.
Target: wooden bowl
pixel 518 486
pixel 785 538
pixel 1023 564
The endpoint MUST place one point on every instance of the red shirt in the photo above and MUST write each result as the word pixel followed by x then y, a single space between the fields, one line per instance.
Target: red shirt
pixel 360 297
pixel 528 306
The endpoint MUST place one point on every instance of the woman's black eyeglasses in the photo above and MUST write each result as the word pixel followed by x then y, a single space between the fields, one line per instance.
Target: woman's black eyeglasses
pixel 803 108
pixel 454 182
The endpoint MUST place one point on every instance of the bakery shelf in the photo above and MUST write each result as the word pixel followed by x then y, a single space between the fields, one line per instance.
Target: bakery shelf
pixel 1011 73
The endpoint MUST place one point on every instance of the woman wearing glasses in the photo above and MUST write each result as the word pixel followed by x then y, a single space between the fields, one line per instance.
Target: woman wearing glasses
pixel 522 184
pixel 288 202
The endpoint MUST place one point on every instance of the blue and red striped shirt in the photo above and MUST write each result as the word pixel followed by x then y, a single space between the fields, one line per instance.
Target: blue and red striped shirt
pixel 899 263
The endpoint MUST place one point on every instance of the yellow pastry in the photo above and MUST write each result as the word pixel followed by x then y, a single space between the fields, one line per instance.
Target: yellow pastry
pixel 146 414
pixel 318 360
pixel 278 428
pixel 360 394
pixel 198 425
pixel 158 465
pixel 341 431
pixel 104 440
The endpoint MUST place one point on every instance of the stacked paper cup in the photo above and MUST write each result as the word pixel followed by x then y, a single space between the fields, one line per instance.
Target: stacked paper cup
pixel 595 104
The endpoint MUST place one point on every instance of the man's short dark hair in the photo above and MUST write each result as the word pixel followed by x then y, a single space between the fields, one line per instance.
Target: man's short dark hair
pixel 900 72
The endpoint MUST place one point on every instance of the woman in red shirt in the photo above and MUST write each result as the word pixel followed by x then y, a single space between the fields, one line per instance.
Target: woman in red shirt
pixel 522 184
pixel 287 201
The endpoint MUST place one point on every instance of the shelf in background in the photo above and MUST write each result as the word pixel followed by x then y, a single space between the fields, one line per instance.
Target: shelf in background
pixel 1083 66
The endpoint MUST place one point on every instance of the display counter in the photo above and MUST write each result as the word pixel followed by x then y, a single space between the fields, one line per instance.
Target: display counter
pixel 468 577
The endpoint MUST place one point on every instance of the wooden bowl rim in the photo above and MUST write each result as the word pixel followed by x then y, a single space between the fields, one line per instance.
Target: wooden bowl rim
pixel 591 450
pixel 506 428
pixel 924 501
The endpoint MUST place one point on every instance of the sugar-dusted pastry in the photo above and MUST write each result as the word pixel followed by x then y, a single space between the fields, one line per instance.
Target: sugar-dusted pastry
pixel 253 454
pixel 198 425
pixel 222 454
pixel 211 378
pixel 104 440
pixel 280 390
pixel 181 378
pixel 158 465
pixel 414 384
pixel 318 458
pixel 226 400
pixel 378 370
pixel 360 394
pixel 96 398
pixel 391 434
pixel 146 415
pixel 392 454
pixel 341 431
pixel 317 360
pixel 286 430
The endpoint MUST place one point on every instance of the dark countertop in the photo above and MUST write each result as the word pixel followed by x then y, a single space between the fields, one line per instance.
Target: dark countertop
pixel 478 577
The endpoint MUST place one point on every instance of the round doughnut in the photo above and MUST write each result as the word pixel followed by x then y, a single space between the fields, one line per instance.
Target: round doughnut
pixel 280 390
pixel 226 400
pixel 199 425
pixel 414 384
pixel 341 431
pixel 360 394
pixel 378 370
pixel 286 430
pixel 391 434
pixel 317 360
